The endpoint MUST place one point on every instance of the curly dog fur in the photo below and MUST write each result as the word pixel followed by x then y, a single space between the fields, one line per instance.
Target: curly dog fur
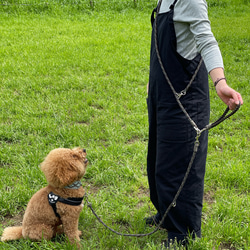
pixel 61 168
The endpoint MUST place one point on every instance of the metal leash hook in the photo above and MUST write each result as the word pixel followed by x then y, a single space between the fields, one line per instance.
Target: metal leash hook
pixel 197 142
pixel 182 93
pixel 87 200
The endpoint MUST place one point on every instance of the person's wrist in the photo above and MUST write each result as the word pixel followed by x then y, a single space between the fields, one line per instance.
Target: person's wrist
pixel 220 87
pixel 222 79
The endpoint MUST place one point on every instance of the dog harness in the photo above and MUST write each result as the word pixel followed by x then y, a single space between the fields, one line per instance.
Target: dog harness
pixel 53 199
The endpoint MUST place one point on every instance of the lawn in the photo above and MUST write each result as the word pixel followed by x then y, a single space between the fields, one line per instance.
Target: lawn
pixel 74 73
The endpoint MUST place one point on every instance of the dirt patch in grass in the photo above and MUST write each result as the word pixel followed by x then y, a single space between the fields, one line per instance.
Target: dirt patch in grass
pixel 209 197
pixel 10 220
pixel 226 246
pixel 142 192
pixel 133 140
pixel 90 188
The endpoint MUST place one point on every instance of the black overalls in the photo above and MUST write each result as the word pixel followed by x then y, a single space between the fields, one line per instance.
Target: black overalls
pixel 171 136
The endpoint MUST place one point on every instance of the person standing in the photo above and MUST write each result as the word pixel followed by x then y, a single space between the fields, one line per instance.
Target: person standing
pixel 184 37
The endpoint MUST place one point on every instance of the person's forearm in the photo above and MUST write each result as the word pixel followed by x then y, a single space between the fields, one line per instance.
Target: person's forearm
pixel 217 74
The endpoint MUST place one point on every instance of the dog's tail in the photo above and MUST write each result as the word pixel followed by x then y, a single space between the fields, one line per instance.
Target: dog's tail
pixel 12 233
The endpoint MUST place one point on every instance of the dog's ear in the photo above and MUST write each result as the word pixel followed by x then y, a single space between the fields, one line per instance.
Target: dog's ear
pixel 61 167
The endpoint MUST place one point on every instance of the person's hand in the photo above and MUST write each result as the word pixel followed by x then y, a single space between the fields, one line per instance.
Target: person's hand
pixel 228 95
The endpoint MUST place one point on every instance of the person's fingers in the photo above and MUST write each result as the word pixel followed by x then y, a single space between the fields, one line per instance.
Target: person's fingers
pixel 235 98
pixel 231 104
pixel 240 98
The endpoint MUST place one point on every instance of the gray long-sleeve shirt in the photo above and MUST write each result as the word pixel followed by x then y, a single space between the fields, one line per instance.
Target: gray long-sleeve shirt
pixel 193 32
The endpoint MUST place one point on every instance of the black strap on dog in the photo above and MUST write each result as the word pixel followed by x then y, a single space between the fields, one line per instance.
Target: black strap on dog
pixel 53 199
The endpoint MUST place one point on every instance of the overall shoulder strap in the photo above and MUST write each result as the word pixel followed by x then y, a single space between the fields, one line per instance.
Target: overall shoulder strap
pixel 173 4
pixel 153 16
pixel 157 9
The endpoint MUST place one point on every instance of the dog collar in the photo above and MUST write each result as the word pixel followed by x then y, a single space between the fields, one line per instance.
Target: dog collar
pixel 74 185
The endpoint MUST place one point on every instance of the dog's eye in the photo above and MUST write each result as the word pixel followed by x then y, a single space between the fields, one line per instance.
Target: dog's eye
pixel 75 156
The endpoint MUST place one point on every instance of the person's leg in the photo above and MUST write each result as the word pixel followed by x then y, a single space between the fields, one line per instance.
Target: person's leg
pixel 151 156
pixel 175 141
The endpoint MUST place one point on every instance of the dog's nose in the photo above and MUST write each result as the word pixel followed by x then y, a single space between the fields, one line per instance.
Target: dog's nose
pixel 84 150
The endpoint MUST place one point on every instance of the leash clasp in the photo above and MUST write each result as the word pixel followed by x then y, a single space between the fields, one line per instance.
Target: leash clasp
pixel 197 142
pixel 89 204
pixel 182 93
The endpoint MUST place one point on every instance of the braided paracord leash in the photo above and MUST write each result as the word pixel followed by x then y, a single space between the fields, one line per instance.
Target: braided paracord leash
pixel 224 116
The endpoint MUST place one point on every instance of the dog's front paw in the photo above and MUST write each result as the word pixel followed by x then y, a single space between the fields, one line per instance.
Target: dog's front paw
pixel 79 233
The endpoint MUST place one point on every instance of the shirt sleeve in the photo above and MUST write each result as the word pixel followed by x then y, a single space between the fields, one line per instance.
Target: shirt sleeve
pixel 194 12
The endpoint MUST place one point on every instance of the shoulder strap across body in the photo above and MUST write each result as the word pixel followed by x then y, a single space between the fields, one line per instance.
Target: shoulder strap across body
pixel 171 7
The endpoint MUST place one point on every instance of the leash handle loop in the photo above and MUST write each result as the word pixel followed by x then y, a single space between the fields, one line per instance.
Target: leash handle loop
pixel 224 116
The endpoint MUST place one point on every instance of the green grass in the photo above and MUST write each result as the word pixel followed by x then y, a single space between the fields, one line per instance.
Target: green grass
pixel 75 75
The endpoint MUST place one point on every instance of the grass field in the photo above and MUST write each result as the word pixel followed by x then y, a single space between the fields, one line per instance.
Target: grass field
pixel 74 73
